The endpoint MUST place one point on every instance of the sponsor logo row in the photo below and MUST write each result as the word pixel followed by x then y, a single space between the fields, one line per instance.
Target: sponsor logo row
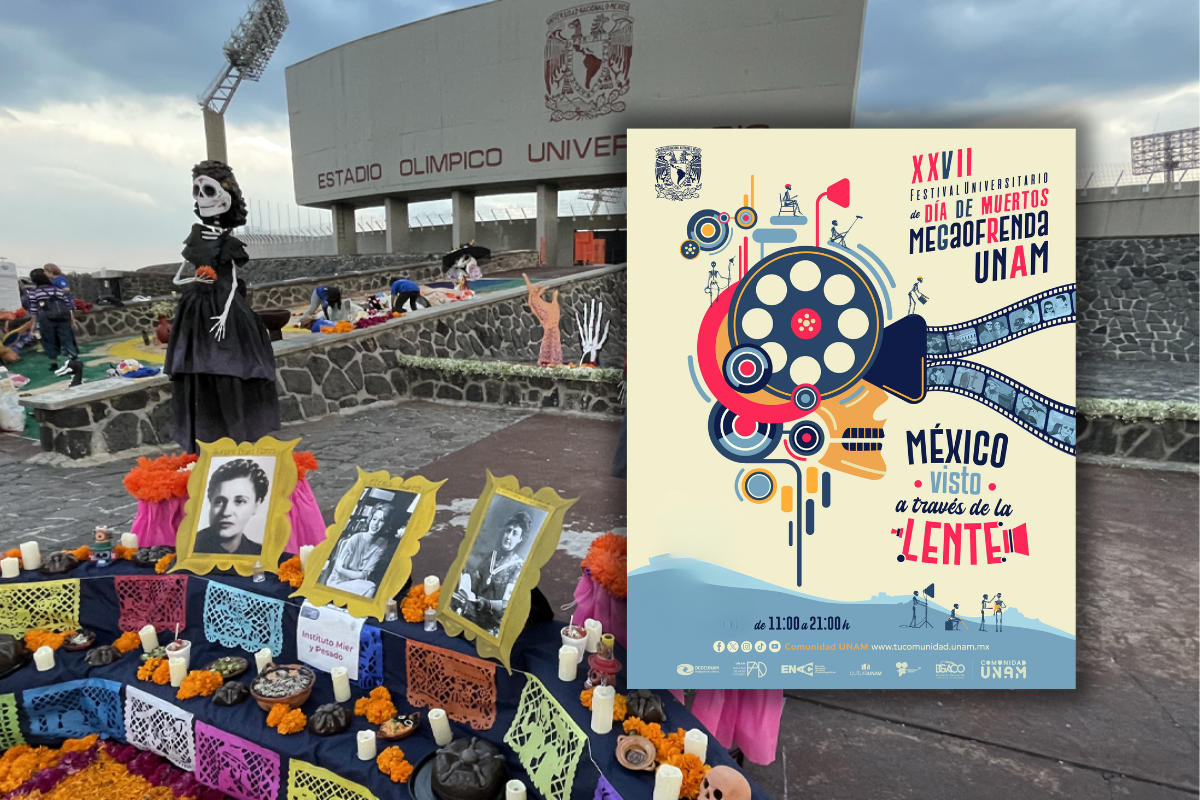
pixel 989 669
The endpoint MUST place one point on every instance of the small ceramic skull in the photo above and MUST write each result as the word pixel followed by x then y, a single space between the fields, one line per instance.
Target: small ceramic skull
pixel 211 198
pixel 724 783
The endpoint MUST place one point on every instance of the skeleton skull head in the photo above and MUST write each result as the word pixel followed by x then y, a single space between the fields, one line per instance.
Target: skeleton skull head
pixel 211 198
pixel 724 783
pixel 859 452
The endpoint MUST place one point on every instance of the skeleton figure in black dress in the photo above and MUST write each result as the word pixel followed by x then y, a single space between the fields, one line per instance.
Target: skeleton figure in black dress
pixel 219 356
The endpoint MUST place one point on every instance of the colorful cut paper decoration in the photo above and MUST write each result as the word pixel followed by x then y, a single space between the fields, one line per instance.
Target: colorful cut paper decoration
pixel 232 765
pixel 239 497
pixel 158 726
pixel 547 741
pixel 10 722
pixel 465 687
pixel 75 709
pixel 511 535
pixel 366 557
pixel 306 782
pixel 237 618
pixel 47 605
pixel 370 657
pixel 158 600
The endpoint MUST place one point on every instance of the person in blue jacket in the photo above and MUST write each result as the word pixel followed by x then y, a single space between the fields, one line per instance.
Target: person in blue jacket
pixel 406 291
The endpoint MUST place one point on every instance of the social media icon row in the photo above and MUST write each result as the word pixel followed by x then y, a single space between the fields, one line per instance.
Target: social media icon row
pixel 758 647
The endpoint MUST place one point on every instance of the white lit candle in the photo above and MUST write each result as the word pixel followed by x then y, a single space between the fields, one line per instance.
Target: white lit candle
pixel 603 698
pixel 305 552
pixel 514 790
pixel 149 638
pixel 262 658
pixel 667 782
pixel 440 726
pixel 10 567
pixel 366 745
pixel 44 658
pixel 341 684
pixel 179 670
pixel 31 556
pixel 567 665
pixel 695 742
pixel 129 541
pixel 594 629
pixel 432 584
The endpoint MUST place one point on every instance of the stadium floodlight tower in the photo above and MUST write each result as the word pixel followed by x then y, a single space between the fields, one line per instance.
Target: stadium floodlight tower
pixel 1166 153
pixel 247 52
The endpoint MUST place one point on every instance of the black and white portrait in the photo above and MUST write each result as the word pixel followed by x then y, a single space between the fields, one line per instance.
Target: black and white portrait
pixel 1023 317
pixel 999 393
pixel 969 379
pixel 1057 306
pixel 366 545
pixel 939 376
pixel 236 501
pixel 1061 427
pixel 1031 411
pixel 993 330
pixel 935 344
pixel 497 558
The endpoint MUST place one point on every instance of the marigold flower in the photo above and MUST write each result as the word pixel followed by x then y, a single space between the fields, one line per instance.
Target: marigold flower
pixel 693 770
pixel 206 272
pixel 377 708
pixel 391 762
pixel 291 573
pixel 286 719
pixel 82 553
pixel 39 638
pixel 198 683
pixel 164 563
pixel 146 670
pixel 162 673
pixel 128 641
pixel 413 607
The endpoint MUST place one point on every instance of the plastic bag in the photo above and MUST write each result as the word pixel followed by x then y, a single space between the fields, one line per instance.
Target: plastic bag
pixel 12 416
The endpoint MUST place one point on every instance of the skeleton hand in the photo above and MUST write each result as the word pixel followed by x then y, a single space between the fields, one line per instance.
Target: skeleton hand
pixel 590 337
pixel 218 328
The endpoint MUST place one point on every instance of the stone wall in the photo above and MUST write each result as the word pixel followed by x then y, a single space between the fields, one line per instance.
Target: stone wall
pixel 1172 440
pixel 1138 298
pixel 357 274
pixel 455 353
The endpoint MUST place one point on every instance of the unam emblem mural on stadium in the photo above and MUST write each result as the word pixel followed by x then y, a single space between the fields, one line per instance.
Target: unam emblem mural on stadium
pixel 588 53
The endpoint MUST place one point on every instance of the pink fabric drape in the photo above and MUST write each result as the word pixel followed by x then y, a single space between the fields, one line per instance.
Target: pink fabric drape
pixel 748 718
pixel 308 526
pixel 596 602
pixel 157 523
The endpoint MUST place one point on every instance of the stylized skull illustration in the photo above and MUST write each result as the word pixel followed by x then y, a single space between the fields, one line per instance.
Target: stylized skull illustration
pixel 211 198
pixel 851 417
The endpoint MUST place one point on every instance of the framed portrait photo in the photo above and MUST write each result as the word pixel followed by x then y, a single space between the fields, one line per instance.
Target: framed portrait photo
pixel 239 497
pixel 367 553
pixel 511 535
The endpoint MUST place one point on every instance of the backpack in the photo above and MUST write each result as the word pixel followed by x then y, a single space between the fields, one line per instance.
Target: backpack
pixel 55 309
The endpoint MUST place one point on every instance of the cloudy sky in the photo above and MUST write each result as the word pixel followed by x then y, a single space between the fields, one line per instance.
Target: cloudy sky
pixel 98 117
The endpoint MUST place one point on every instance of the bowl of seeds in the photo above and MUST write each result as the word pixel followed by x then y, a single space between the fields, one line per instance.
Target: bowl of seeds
pixel 290 684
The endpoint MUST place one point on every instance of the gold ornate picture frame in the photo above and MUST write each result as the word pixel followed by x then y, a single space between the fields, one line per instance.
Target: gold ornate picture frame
pixel 367 554
pixel 239 497
pixel 512 533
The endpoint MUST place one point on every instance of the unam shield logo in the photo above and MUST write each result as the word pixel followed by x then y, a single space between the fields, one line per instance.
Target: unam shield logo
pixel 588 53
pixel 677 172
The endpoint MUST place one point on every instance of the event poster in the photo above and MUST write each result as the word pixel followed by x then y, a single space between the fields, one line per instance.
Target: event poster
pixel 851 409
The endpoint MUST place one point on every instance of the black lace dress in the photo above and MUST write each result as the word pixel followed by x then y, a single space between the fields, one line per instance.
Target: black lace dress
pixel 221 387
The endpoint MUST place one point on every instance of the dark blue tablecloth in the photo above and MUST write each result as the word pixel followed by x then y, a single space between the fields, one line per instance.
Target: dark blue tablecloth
pixel 536 652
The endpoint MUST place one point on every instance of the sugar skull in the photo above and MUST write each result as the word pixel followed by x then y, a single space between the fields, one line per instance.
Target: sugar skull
pixel 724 783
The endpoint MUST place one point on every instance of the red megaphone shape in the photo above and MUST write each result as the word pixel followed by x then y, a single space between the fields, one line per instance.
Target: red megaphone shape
pixel 839 193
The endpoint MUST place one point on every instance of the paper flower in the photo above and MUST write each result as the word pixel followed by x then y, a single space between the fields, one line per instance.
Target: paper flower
pixel 606 561
pixel 206 272
pixel 377 708
pixel 306 462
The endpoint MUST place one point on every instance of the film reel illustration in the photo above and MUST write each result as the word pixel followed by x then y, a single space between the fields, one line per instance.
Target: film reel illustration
pixel 1035 313
pixel 709 229
pixel 1046 418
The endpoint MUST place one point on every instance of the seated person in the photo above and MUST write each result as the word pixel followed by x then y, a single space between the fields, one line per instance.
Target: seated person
pixel 405 291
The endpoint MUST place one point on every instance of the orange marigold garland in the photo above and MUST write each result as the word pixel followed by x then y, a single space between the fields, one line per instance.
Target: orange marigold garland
pixel 391 762
pixel 378 708
pixel 286 719
pixel 620 709
pixel 146 670
pixel 199 683
pixel 666 746
pixel 128 642
pixel 606 561
pixel 290 572
pixel 20 763
pixel 39 638
pixel 82 553
pixel 412 608
pixel 162 672
pixel 161 478
pixel 122 553
pixel 164 563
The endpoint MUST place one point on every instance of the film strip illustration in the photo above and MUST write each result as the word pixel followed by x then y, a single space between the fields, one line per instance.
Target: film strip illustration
pixel 1047 419
pixel 1040 311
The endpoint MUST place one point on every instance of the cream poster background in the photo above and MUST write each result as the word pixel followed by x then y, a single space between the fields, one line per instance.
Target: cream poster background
pixel 682 497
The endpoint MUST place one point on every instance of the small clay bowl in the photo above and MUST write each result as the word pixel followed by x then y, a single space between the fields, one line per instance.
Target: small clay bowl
pixel 635 753
pixel 400 727
pixel 260 689
pixel 82 640
pixel 237 666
